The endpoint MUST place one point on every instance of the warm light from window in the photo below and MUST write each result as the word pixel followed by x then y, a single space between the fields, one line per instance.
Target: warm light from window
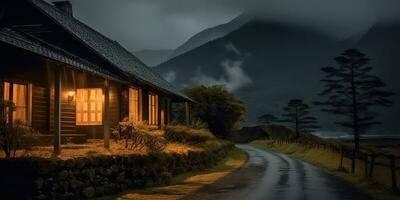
pixel 153 109
pixel 89 106
pixel 134 105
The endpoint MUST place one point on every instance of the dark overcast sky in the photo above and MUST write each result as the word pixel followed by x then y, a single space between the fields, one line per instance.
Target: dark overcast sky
pixel 165 24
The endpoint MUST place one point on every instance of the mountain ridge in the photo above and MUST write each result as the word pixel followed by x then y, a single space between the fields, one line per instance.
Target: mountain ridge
pixel 278 60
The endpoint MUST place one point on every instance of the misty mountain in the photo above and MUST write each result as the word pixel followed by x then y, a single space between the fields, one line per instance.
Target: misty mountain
pixel 153 57
pixel 211 34
pixel 267 63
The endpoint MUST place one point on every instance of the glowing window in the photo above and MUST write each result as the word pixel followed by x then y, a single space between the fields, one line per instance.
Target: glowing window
pixel 22 98
pixel 153 109
pixel 134 105
pixel 89 106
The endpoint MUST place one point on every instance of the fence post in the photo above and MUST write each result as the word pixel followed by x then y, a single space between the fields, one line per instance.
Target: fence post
pixel 353 161
pixel 341 158
pixel 371 167
pixel 366 165
pixel 394 180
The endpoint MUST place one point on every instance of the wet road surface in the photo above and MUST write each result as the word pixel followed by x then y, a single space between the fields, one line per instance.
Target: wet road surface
pixel 292 179
pixel 274 176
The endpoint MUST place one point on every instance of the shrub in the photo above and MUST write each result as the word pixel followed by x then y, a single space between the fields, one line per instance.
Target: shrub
pixel 16 136
pixel 125 132
pixel 222 111
pixel 154 143
pixel 187 135
pixel 198 124
pixel 195 124
pixel 138 136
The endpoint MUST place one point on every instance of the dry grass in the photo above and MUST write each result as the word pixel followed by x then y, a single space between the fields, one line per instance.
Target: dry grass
pixel 379 187
pixel 187 183
pixel 96 147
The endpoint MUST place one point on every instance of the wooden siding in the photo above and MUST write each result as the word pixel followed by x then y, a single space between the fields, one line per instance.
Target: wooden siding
pixel 40 109
pixel 124 108
pixel 115 93
pixel 145 104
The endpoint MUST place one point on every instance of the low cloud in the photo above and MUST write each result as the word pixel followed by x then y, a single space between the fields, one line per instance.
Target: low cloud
pixel 170 76
pixel 230 47
pixel 233 78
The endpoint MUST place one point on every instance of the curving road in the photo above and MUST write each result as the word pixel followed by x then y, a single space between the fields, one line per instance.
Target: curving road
pixel 274 176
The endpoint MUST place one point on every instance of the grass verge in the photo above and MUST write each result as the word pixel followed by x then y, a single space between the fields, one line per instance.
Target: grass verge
pixel 330 161
pixel 187 183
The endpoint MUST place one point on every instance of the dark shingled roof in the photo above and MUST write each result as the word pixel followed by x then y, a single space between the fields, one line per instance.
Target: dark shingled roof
pixel 39 47
pixel 107 48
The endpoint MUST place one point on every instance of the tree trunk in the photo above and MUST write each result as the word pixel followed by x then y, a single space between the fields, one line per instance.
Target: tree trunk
pixel 366 165
pixel 353 161
pixel 355 110
pixel 394 177
pixel 297 124
pixel 341 159
pixel 357 141
pixel 371 166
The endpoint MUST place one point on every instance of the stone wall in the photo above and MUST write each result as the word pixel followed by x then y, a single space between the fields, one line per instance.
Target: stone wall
pixel 82 178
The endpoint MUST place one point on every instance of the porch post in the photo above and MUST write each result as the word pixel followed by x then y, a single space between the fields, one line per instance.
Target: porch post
pixel 11 99
pixel 106 115
pixel 187 113
pixel 2 99
pixel 57 110
pixel 168 111
pixel 1 90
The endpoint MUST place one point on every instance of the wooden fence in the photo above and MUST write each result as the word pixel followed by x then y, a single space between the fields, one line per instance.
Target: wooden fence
pixel 370 158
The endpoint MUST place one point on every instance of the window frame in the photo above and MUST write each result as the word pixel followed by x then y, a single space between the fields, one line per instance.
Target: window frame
pixel 153 104
pixel 131 102
pixel 97 112
pixel 28 98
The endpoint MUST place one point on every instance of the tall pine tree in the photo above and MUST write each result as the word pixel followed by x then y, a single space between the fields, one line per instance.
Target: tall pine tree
pixel 297 113
pixel 352 91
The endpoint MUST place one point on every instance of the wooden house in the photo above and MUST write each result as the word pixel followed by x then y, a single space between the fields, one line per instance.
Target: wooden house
pixel 66 79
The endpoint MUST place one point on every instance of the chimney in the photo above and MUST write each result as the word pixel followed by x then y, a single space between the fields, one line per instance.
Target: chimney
pixel 64 6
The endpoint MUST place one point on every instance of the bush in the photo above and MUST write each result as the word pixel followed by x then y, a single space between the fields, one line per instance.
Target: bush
pixel 198 124
pixel 137 137
pixel 219 109
pixel 16 136
pixel 187 135
pixel 154 143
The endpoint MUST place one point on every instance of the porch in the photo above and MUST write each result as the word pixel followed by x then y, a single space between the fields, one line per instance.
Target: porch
pixel 67 104
pixel 58 99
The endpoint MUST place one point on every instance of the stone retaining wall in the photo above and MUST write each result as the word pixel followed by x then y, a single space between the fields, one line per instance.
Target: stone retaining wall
pixel 82 178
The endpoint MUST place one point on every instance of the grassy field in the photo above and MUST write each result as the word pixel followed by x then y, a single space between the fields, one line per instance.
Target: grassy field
pixel 378 187
pixel 187 183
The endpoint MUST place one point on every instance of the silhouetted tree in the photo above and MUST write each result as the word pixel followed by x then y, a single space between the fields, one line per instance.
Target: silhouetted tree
pixel 222 111
pixel 267 119
pixel 298 114
pixel 352 91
